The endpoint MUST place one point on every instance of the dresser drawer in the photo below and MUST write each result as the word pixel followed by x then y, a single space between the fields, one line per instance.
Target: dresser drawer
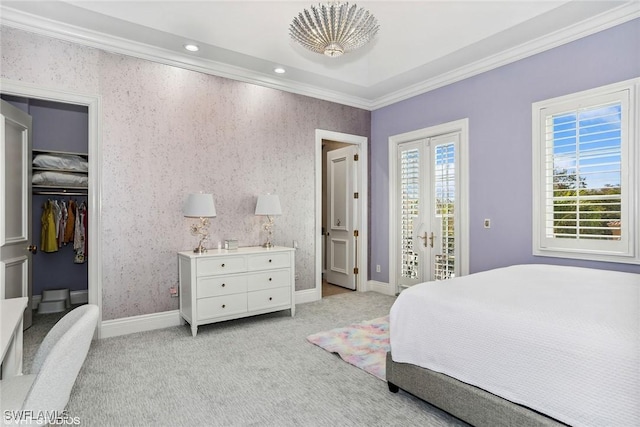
pixel 226 305
pixel 221 285
pixel 221 265
pixel 268 261
pixel 259 300
pixel 268 279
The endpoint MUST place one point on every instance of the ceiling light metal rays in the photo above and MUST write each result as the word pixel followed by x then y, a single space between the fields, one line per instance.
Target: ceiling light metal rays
pixel 333 28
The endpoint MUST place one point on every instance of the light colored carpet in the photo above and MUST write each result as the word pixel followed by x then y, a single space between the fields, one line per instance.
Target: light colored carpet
pixel 259 371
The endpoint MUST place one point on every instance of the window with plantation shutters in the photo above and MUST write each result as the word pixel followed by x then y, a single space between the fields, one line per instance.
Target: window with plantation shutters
pixel 584 169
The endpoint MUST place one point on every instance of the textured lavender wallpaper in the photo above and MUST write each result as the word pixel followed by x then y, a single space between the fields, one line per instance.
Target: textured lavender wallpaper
pixel 166 132
pixel 498 105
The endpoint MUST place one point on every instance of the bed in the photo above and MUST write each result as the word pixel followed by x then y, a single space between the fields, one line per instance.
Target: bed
pixel 526 345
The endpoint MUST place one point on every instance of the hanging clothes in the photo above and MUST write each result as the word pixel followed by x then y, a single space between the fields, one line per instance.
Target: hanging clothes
pixel 65 223
pixel 48 241
pixel 71 222
pixel 57 214
pixel 79 240
pixel 64 215
pixel 85 224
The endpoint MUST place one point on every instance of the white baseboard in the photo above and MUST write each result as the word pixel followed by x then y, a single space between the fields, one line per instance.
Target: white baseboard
pixel 77 297
pixel 308 295
pixel 142 323
pixel 168 319
pixel 165 319
pixel 381 287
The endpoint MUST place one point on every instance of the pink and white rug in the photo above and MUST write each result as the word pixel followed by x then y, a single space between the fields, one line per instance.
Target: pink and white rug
pixel 364 345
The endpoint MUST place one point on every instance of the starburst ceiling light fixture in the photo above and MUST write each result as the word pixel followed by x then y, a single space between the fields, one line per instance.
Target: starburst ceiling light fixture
pixel 333 28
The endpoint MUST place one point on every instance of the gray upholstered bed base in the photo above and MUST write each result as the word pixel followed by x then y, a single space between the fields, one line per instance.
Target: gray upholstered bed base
pixel 468 403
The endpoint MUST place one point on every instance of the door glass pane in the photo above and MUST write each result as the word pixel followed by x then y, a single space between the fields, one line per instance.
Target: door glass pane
pixel 409 211
pixel 444 194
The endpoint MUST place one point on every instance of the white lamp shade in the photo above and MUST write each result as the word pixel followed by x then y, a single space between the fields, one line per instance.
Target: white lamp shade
pixel 268 204
pixel 199 205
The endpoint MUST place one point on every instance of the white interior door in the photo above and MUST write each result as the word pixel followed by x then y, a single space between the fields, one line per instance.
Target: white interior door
pixel 15 198
pixel 341 214
pixel 426 210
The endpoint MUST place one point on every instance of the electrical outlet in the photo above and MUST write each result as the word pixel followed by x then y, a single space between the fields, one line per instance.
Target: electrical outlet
pixel 487 223
pixel 377 268
pixel 173 291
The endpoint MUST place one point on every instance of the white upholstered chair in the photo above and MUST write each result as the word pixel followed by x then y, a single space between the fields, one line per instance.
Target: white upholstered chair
pixel 46 389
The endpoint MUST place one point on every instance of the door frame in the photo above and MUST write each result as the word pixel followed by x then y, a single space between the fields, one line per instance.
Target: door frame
pixel 363 190
pixel 462 175
pixel 94 106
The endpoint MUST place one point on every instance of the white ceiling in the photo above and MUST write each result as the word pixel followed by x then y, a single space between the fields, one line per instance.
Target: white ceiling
pixel 421 45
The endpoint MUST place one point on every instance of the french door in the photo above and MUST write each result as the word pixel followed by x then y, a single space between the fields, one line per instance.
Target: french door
pixel 426 210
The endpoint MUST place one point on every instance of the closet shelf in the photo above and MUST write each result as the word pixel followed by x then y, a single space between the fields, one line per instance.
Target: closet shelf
pixel 50 190
pixel 60 193
pixel 41 151
pixel 58 172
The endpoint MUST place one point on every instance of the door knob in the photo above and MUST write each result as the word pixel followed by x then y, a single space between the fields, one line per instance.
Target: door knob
pixel 430 238
pixel 33 249
pixel 424 239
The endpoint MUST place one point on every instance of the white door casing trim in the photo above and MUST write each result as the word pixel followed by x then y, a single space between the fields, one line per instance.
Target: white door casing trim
pixel 94 106
pixel 462 179
pixel 363 190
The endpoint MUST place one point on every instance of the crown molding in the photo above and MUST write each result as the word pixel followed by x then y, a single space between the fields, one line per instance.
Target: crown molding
pixel 59 30
pixel 62 31
pixel 609 19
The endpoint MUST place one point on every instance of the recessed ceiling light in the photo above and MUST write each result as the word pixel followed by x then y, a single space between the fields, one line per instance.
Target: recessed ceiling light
pixel 191 47
pixel 279 70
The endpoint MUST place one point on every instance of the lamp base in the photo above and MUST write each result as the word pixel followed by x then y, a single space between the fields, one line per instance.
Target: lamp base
pixel 267 245
pixel 200 249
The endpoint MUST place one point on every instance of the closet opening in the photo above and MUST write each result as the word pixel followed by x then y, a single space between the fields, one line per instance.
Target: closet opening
pixel 60 208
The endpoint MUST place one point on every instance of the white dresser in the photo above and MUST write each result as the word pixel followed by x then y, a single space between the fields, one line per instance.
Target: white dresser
pixel 228 284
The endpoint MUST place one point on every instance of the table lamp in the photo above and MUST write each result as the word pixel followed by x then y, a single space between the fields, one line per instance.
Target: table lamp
pixel 200 205
pixel 268 205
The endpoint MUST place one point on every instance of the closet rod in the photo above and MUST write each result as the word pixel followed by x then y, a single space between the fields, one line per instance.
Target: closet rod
pixel 59 193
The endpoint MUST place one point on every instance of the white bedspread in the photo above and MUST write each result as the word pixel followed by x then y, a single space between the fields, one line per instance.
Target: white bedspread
pixel 564 341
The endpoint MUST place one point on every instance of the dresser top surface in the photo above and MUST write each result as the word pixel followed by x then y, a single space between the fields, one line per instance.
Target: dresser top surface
pixel 245 250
